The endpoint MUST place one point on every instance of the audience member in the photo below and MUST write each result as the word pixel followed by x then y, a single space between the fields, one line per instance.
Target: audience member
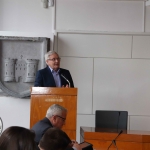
pixel 17 138
pixel 53 75
pixel 56 139
pixel 55 117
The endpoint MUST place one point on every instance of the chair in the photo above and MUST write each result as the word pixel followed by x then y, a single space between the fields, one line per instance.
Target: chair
pixel 111 119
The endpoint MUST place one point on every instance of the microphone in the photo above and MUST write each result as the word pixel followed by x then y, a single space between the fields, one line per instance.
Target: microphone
pixel 114 141
pixel 66 79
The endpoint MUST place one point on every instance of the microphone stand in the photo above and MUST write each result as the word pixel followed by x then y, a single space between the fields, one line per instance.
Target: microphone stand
pixel 114 141
pixel 66 79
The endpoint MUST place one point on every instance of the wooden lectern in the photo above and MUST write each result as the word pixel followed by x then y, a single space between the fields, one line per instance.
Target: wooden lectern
pixel 127 140
pixel 43 97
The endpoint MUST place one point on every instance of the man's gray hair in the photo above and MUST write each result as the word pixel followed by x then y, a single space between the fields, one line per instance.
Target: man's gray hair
pixel 55 109
pixel 49 53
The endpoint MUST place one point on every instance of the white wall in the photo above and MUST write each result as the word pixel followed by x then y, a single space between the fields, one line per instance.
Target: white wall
pixel 22 18
pixel 95 15
pixel 147 19
pixel 26 18
pixel 104 44
pixel 14 111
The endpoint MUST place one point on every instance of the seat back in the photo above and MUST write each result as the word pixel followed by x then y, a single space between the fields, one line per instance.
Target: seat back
pixel 111 119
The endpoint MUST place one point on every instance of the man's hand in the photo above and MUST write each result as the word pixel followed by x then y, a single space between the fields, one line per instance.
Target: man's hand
pixel 76 146
pixel 67 86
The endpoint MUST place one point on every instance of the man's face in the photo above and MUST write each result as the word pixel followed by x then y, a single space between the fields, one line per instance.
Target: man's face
pixel 59 120
pixel 53 62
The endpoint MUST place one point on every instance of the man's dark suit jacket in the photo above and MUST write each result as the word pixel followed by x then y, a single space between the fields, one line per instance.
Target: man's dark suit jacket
pixel 44 78
pixel 40 128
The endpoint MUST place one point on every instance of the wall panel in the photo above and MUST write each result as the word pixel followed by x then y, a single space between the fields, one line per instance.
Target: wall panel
pixel 122 84
pixel 141 47
pixel 81 70
pixel 147 19
pixel 95 15
pixel 94 45
pixel 140 123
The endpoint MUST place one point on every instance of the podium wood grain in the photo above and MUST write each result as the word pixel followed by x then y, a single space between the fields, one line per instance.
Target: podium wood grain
pixel 128 140
pixel 43 97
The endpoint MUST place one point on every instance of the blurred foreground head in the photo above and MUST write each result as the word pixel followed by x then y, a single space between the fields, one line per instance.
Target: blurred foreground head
pixel 55 139
pixel 17 138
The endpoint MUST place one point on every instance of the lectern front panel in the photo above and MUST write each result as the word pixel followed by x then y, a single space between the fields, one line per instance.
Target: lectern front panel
pixel 41 102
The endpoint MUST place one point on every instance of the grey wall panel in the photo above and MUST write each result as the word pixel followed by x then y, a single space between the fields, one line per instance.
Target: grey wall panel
pixel 94 45
pixel 147 19
pixel 141 47
pixel 122 84
pixel 95 15
pixel 140 123
pixel 81 70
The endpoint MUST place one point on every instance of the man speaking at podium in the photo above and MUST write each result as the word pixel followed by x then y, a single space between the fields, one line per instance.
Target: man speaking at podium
pixel 53 75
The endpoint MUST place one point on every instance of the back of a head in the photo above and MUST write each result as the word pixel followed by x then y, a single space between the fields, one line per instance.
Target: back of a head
pixel 17 138
pixel 54 139
pixel 55 109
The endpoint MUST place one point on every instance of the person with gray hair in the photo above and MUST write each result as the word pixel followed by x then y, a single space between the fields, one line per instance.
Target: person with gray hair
pixel 57 111
pixel 55 117
pixel 53 75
